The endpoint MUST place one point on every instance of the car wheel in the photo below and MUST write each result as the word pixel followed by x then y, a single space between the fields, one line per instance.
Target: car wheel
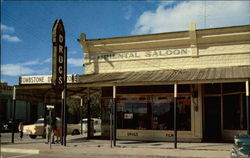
pixel 75 132
pixel 44 136
pixel 33 136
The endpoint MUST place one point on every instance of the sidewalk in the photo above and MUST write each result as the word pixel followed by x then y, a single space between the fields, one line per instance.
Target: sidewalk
pixel 77 145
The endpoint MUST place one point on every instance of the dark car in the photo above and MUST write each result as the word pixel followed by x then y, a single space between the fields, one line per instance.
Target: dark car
pixel 241 148
pixel 6 126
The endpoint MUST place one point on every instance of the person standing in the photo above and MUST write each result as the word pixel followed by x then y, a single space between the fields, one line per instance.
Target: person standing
pixel 20 128
pixel 48 129
pixel 53 129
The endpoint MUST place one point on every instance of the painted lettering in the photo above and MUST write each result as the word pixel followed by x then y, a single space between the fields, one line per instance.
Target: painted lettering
pixel 60 49
pixel 162 53
pixel 60 59
pixel 131 55
pixel 155 54
pixel 60 80
pixel 168 52
pixel 147 54
pixel 61 38
pixel 183 51
pixel 169 135
pixel 132 134
pixel 176 52
pixel 60 70
pixel 136 55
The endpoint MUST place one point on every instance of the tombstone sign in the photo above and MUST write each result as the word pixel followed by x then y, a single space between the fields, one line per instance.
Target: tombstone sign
pixel 58 56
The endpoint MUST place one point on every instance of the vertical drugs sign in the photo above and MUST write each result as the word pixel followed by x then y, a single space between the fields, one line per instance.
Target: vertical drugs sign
pixel 58 57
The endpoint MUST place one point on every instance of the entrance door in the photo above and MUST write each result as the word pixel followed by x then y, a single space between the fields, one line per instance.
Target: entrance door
pixel 212 118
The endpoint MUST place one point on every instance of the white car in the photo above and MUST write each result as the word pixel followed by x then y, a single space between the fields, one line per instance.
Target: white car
pixel 97 125
pixel 37 129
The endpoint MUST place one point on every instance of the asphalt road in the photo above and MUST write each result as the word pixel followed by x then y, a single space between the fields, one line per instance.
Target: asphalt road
pixel 17 155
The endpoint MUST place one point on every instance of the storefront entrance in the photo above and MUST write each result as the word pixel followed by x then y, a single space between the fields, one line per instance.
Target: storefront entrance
pixel 212 118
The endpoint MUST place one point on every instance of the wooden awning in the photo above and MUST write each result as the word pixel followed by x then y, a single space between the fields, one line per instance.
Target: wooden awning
pixel 159 77
pixel 206 75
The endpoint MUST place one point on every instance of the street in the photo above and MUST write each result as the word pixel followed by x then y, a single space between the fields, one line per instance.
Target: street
pixel 79 146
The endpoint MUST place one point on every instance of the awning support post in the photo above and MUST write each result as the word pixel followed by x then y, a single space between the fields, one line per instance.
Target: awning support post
pixel 13 115
pixel 114 115
pixel 111 127
pixel 88 115
pixel 44 112
pixel 247 106
pixel 81 105
pixel 175 115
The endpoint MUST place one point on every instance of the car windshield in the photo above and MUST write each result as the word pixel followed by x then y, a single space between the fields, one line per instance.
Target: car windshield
pixel 84 122
pixel 39 121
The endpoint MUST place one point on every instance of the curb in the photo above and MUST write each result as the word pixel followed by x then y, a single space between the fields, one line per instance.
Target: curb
pixel 23 151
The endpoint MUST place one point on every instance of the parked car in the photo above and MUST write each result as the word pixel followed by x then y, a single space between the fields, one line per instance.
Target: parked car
pixel 37 129
pixel 241 147
pixel 96 124
pixel 6 126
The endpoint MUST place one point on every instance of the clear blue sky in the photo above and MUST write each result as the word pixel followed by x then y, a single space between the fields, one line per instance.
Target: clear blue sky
pixel 26 27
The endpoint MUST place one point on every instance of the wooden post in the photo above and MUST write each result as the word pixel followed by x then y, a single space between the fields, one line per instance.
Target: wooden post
pixel 247 106
pixel 62 122
pixel 114 114
pixel 81 105
pixel 175 115
pixel 88 115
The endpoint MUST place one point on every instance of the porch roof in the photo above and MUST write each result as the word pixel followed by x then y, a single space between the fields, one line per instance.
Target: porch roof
pixel 205 75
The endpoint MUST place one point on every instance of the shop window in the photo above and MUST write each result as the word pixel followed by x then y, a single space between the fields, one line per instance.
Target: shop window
pixel 212 88
pixel 234 115
pixel 163 114
pixel 143 89
pixel 3 109
pixel 132 113
pixel 233 87
pixel 184 113
pixel 154 112
pixel 107 104
pixel 183 88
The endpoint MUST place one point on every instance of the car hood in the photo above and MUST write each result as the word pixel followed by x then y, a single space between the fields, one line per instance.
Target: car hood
pixel 32 125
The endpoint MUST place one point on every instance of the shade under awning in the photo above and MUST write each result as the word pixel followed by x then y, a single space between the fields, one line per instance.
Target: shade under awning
pixel 184 75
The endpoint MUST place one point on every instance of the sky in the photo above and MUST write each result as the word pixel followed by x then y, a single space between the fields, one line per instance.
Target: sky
pixel 26 27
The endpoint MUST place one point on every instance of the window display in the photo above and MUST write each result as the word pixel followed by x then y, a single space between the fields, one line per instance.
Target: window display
pixel 153 112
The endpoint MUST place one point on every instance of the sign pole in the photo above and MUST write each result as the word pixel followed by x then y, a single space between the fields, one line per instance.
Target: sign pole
pixel 65 97
pixel 61 130
pixel 13 115
pixel 50 130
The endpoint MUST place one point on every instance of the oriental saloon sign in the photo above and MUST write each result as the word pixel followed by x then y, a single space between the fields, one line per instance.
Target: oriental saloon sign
pixel 59 55
pixel 167 53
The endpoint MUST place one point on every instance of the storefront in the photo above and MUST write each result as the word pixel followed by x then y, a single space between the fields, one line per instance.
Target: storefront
pixel 210 68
